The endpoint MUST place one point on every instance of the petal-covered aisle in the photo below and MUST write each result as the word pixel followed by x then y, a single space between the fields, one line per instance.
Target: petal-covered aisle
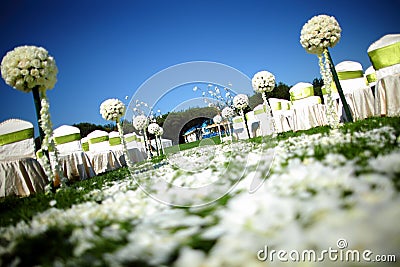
pixel 322 189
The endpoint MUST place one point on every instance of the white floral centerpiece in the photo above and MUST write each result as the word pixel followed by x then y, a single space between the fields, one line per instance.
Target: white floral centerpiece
pixel 317 35
pixel 155 129
pixel 140 123
pixel 112 110
pixel 217 120
pixel 228 113
pixel 263 82
pixel 27 67
pixel 32 69
pixel 240 102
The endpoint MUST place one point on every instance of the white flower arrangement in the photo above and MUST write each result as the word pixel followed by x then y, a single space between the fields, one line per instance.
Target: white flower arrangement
pixel 217 119
pixel 319 33
pixel 112 109
pixel 154 128
pixel 31 68
pixel 140 122
pixel 263 81
pixel 228 112
pixel 27 67
pixel 240 101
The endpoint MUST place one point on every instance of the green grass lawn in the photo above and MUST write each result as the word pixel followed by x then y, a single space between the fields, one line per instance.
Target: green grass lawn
pixel 59 241
pixel 14 209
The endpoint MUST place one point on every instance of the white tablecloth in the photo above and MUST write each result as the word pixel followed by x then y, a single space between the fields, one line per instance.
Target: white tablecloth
pixel 21 177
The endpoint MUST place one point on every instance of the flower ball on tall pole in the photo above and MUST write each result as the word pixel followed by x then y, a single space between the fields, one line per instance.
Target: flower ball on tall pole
pixel 155 129
pixel 317 35
pixel 262 83
pixel 32 69
pixel 240 102
pixel 217 120
pixel 228 113
pixel 113 110
pixel 140 123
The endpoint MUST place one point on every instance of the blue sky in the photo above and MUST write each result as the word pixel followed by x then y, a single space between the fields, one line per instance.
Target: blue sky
pixel 107 49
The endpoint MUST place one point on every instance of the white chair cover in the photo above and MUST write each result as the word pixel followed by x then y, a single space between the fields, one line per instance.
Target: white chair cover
pixel 261 115
pixel 253 124
pixel 132 144
pixel 370 75
pixel 384 55
pixel 239 130
pixel 74 162
pixel 20 173
pixel 283 117
pixel 356 90
pixel 100 154
pixel 307 108
pixel 116 146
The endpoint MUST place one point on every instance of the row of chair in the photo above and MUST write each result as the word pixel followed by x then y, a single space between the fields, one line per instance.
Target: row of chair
pixel 21 171
pixel 373 93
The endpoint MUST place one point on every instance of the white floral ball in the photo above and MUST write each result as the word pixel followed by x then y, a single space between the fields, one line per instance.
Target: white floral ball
pixel 240 101
pixel 112 109
pixel 161 131
pixel 217 119
pixel 263 81
pixel 140 122
pixel 320 32
pixel 228 112
pixel 154 128
pixel 26 67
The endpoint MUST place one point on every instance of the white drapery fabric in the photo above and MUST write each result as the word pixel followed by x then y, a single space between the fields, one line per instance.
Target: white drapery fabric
pixel 356 89
pixel 262 117
pixel 74 162
pixel 20 173
pixel 282 114
pixel 384 55
pixel 307 108
pixel 101 156
pixel 135 152
pixel 253 124
pixel 239 130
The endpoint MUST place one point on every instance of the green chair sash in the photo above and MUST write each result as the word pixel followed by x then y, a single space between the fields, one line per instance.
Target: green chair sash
pixel 371 77
pixel 98 140
pixel 259 111
pixel 114 141
pixel 14 137
pixel 237 120
pixel 130 138
pixel 277 106
pixel 347 75
pixel 385 56
pixel 67 138
pixel 303 93
pixel 85 146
